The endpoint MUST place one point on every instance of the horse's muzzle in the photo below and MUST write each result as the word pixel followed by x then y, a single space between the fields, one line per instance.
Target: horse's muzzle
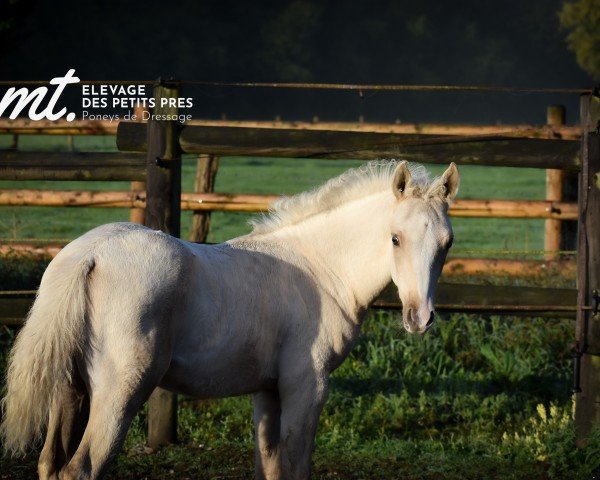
pixel 417 321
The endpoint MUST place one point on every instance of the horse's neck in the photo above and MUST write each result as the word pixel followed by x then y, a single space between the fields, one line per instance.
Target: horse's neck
pixel 348 247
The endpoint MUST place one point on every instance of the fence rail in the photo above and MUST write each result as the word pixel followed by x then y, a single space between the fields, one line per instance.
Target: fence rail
pixel 491 150
pixel 451 297
pixel 454 266
pixel 236 202
pixel 105 127
pixel 72 166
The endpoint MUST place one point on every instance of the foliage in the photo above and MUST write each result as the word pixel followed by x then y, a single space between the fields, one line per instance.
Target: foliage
pixel 548 436
pixel 287 35
pixel 21 273
pixel 399 41
pixel 439 407
pixel 582 19
pixel 12 14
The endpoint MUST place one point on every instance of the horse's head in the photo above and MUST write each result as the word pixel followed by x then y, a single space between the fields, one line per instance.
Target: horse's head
pixel 420 236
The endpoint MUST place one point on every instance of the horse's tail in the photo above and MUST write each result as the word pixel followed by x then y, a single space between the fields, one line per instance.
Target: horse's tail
pixel 42 358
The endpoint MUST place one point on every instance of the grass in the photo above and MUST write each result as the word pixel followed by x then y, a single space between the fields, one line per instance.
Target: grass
pixel 475 398
pixel 276 176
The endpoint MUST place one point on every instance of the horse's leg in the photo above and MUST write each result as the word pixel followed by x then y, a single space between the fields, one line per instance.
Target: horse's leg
pixel 48 463
pixel 121 373
pixel 66 423
pixel 302 399
pixel 267 411
pixel 113 406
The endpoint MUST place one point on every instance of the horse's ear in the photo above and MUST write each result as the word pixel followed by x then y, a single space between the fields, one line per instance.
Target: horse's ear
pixel 450 181
pixel 401 180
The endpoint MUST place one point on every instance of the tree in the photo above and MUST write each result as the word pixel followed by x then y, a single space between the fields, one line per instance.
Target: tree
pixel 12 15
pixel 582 19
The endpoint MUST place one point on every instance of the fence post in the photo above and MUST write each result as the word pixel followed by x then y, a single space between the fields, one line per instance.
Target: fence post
pixel 14 145
pixel 136 215
pixel 555 115
pixel 587 347
pixel 206 171
pixel 163 204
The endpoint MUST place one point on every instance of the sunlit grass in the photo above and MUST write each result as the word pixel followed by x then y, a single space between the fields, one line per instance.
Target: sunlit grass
pixel 438 406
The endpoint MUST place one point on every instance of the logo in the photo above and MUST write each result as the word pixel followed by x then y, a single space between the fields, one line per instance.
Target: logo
pixel 35 99
pixel 103 101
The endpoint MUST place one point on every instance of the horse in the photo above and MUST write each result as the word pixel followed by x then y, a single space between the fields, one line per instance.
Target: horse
pixel 124 309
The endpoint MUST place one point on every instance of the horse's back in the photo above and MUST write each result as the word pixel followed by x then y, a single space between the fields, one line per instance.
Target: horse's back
pixel 211 309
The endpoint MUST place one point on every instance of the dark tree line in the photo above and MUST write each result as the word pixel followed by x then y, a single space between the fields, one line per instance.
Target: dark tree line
pixel 514 42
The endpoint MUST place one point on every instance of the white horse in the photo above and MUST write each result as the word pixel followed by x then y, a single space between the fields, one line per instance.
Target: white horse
pixel 124 309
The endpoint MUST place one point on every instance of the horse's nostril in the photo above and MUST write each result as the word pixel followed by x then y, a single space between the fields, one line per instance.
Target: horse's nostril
pixel 431 319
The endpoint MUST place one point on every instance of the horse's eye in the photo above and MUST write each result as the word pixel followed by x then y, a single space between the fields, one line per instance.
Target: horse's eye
pixel 450 242
pixel 395 240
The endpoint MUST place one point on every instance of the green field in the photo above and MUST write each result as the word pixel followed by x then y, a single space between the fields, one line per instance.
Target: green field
pixel 274 176
pixel 478 397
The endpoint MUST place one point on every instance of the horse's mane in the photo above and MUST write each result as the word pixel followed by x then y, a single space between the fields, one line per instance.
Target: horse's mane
pixel 353 184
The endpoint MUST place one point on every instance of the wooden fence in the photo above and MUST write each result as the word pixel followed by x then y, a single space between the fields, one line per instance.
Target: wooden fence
pixel 554 209
pixel 210 201
pixel 555 129
pixel 154 155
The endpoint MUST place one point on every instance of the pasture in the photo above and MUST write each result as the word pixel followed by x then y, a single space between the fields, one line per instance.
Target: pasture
pixel 477 397
pixel 264 176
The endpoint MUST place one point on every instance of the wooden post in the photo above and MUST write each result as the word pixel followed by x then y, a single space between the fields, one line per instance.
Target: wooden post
pixel 555 116
pixel 136 215
pixel 587 347
pixel 206 171
pixel 163 199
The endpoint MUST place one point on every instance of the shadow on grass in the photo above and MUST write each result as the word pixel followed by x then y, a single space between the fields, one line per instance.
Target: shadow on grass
pixel 536 386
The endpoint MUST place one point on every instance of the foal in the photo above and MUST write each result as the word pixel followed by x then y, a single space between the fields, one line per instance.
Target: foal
pixel 124 309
